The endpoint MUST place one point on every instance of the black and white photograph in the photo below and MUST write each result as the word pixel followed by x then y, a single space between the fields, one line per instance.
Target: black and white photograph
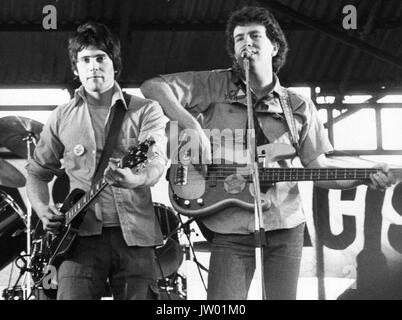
pixel 214 151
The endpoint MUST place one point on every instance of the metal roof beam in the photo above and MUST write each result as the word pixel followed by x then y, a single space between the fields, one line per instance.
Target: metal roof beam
pixel 351 62
pixel 62 26
pixel 353 106
pixel 324 28
pixel 125 20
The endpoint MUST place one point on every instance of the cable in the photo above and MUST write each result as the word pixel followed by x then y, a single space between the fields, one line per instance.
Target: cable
pixel 187 233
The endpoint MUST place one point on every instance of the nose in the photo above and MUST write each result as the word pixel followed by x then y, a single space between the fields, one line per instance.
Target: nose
pixel 248 41
pixel 94 65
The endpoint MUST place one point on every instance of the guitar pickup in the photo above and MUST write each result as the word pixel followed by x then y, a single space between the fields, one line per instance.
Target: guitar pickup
pixel 180 177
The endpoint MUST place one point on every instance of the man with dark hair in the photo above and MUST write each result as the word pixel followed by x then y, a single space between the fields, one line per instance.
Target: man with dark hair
pixel 99 36
pixel 218 98
pixel 272 29
pixel 119 231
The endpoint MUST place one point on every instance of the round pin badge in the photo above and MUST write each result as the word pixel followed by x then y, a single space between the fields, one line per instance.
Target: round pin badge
pixel 79 150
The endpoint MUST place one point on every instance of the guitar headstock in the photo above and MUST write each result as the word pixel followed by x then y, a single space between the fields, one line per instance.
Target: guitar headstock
pixel 138 154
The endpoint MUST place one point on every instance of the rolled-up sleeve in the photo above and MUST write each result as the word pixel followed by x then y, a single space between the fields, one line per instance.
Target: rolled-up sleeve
pixel 196 90
pixel 45 162
pixel 153 125
pixel 314 138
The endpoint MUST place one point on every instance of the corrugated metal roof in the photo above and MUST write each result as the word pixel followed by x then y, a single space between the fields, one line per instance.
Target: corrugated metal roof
pixel 164 36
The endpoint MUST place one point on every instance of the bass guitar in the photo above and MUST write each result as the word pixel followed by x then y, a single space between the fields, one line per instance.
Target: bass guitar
pixel 196 192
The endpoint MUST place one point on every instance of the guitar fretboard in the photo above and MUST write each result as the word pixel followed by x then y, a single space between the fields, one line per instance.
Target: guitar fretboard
pixel 303 174
pixel 85 200
pixel 136 156
pixel 295 174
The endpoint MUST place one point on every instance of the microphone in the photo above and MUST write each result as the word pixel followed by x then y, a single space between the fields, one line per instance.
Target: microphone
pixel 247 53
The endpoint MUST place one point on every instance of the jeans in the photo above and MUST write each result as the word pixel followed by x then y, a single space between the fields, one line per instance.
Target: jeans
pixel 131 271
pixel 232 264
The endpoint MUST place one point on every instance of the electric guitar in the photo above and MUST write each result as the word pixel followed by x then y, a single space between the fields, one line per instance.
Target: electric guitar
pixel 196 193
pixel 50 249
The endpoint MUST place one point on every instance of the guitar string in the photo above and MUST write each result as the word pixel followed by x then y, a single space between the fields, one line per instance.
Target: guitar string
pixel 288 178
pixel 304 169
pixel 284 172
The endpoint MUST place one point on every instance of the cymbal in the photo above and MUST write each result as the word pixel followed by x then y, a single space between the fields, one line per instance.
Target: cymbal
pixel 10 176
pixel 14 131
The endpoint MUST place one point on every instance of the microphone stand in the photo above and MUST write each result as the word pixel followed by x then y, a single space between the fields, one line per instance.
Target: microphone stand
pixel 259 233
pixel 27 278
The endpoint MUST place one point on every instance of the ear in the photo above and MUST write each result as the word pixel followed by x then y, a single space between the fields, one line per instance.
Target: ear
pixel 75 73
pixel 275 50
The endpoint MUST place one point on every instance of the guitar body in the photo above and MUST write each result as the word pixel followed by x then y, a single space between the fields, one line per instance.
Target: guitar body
pixel 200 196
pixel 51 249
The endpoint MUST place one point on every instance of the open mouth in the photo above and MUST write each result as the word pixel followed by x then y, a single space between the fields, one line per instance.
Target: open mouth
pixel 94 77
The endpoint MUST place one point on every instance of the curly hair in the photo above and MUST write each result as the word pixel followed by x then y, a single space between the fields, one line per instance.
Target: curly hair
pixel 258 15
pixel 97 35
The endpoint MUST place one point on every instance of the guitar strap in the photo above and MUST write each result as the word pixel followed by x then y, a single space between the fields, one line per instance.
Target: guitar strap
pixel 290 120
pixel 114 130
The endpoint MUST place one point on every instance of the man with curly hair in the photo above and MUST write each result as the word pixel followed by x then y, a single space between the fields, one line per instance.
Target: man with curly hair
pixel 218 98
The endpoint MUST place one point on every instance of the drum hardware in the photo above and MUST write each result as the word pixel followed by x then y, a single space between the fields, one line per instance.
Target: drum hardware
pixel 17 291
pixel 16 133
pixel 187 250
pixel 29 139
pixel 190 250
pixel 173 287
pixel 14 293
pixel 10 176
pixel 19 135
pixel 169 256
pixel 12 229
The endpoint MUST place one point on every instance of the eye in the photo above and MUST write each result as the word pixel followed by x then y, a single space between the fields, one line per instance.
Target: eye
pixel 86 60
pixel 100 59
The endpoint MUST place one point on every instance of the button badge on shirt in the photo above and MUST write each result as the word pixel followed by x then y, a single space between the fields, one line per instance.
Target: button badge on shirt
pixel 79 150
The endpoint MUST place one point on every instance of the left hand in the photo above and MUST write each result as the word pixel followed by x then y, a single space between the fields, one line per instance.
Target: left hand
pixel 382 179
pixel 121 177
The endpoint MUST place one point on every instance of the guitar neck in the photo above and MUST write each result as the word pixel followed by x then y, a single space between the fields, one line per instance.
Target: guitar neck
pixel 307 174
pixel 85 200
pixel 298 174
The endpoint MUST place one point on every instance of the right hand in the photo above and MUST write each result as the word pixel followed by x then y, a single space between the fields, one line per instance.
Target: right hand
pixel 195 147
pixel 52 219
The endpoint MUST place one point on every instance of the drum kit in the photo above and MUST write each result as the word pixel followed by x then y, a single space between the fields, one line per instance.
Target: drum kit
pixel 20 135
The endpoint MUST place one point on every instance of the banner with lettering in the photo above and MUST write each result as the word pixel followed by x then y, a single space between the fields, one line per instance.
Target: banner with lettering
pixel 357 234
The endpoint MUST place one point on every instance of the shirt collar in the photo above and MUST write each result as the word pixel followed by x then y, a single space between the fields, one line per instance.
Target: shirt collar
pixel 79 95
pixel 238 80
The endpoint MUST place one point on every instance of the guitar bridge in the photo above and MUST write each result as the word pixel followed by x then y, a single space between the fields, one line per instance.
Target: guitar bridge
pixel 180 177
